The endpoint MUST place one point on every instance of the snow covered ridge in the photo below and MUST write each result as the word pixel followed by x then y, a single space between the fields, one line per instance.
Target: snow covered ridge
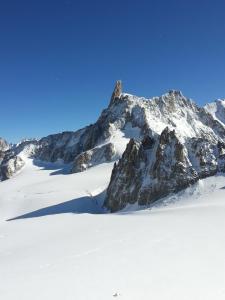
pixel 217 109
pixel 195 144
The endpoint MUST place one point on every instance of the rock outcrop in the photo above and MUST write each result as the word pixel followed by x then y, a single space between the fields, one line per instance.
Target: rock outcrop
pixel 155 167
pixel 4 146
pixel 117 92
pixel 10 166
pixel 93 157
pixel 2 155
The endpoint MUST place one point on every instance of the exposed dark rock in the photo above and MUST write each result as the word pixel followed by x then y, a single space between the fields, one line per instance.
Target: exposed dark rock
pixel 147 142
pixel 145 174
pixel 117 91
pixel 126 178
pixel 93 157
pixel 10 166
pixel 4 146
pixel 2 155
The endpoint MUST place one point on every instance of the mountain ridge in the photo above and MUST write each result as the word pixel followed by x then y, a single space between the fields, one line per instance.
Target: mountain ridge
pixel 195 139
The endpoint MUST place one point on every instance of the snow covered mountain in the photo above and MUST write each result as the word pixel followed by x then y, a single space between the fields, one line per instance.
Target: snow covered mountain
pixel 183 144
pixel 55 232
pixel 217 110
pixel 173 143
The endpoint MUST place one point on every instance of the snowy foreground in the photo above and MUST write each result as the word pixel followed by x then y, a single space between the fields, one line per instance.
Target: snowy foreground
pixel 57 244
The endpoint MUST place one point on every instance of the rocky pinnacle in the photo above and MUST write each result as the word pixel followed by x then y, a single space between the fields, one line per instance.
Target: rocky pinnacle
pixel 117 91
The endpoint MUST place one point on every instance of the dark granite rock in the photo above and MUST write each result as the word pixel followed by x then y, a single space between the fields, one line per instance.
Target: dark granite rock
pixel 150 170
pixel 117 91
pixel 10 166
pixel 87 159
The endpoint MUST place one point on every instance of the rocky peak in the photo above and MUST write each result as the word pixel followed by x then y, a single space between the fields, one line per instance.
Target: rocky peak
pixel 175 93
pixel 116 92
pixel 176 100
pixel 127 117
pixel 3 145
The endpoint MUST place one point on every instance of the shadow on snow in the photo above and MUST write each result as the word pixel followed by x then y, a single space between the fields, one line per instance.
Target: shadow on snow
pixel 58 168
pixel 87 204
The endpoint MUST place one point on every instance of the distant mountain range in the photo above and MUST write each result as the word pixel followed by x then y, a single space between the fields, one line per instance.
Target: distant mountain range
pixel 160 146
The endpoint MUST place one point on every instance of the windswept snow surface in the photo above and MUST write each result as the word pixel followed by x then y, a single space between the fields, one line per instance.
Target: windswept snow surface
pixel 60 247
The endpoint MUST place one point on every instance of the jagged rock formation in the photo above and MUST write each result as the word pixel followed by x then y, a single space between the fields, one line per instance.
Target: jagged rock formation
pixel 10 165
pixel 117 92
pixel 67 146
pixel 2 155
pixel 93 157
pixel 155 167
pixel 130 117
pixel 4 146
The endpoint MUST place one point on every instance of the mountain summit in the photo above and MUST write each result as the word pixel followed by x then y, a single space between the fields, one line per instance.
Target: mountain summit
pixel 117 91
pixel 159 145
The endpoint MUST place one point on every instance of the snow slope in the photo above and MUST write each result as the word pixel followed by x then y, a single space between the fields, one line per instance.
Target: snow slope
pixel 217 110
pixel 62 248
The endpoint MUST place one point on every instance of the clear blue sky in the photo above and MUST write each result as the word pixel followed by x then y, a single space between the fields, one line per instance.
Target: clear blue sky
pixel 59 59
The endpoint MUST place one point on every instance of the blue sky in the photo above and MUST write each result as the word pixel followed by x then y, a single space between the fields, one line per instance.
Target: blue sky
pixel 59 59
